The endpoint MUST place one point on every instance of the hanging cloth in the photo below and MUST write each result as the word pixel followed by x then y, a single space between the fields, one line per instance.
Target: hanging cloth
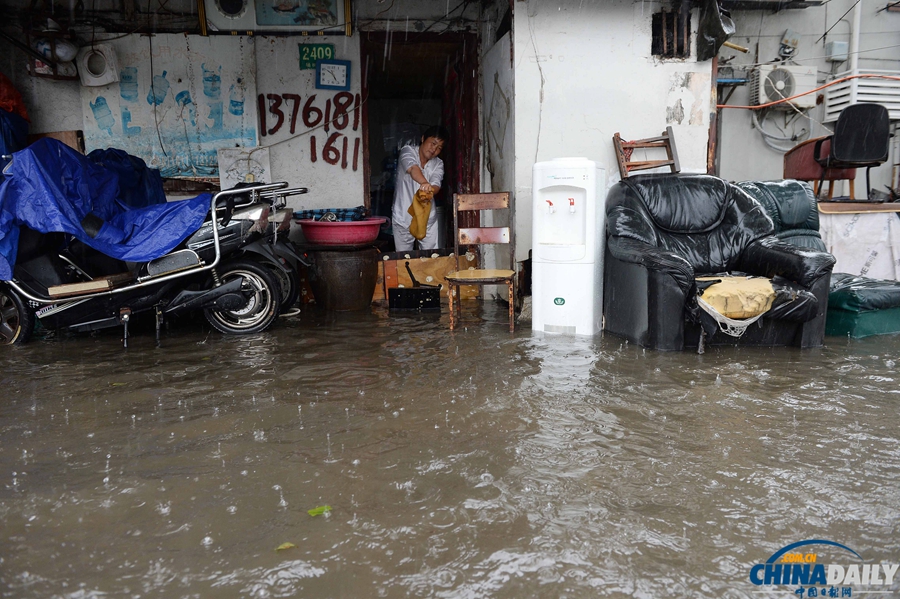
pixel 420 209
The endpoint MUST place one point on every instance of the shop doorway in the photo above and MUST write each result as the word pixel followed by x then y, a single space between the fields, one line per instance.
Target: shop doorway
pixel 412 81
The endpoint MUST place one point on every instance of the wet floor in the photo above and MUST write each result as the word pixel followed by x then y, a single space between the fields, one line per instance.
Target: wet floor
pixel 472 464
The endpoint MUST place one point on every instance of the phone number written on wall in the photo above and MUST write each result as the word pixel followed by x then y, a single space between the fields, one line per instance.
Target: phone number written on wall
pixel 339 113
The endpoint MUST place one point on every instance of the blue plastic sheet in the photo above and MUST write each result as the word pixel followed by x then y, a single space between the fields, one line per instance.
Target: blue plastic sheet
pixel 139 185
pixel 50 187
pixel 13 135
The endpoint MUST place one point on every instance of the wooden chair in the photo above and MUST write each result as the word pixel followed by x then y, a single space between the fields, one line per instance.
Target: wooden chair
pixel 624 151
pixel 479 235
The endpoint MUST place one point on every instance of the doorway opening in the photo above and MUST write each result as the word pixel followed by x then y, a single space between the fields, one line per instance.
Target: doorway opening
pixel 412 81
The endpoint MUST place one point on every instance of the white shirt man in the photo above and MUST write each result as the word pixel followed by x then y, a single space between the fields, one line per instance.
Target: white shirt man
pixel 418 167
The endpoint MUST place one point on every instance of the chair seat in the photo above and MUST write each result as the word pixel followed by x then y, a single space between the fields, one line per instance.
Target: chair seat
pixel 800 163
pixel 480 275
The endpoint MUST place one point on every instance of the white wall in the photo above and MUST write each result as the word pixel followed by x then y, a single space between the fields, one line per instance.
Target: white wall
pixel 338 185
pixel 599 78
pixel 743 155
pixel 498 139
pixel 202 99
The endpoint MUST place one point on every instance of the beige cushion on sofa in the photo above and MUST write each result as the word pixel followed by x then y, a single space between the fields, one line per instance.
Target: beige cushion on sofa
pixel 739 297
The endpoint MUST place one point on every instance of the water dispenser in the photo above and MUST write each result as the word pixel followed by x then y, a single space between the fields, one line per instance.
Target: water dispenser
pixel 568 242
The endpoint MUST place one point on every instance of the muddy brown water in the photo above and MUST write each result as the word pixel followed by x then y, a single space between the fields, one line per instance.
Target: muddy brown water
pixel 471 464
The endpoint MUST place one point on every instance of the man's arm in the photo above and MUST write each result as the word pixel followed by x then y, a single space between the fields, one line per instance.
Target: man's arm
pixel 415 171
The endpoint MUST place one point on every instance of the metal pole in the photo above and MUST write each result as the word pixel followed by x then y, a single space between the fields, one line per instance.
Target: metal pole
pixel 854 51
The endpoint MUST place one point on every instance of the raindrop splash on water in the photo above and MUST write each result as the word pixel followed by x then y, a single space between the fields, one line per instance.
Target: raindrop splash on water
pixel 281 501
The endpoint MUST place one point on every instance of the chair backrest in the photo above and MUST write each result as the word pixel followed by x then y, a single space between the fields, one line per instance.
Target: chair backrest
pixel 861 136
pixel 469 231
pixel 792 207
pixel 704 219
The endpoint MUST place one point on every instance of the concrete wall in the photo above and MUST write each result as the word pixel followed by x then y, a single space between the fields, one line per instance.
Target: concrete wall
pixel 304 150
pixel 498 140
pixel 52 105
pixel 584 71
pixel 762 32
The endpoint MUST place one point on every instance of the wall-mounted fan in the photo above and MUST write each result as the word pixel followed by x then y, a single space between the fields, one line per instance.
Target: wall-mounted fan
pixel 232 9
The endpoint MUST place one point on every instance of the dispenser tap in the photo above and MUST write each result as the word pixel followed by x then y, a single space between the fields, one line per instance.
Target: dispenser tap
pixel 550 208
pixel 572 205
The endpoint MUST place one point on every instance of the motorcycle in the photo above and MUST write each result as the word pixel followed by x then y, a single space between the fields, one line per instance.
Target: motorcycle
pixel 275 249
pixel 224 268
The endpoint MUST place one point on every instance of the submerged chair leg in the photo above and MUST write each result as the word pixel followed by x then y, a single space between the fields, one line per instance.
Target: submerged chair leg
pixel 450 291
pixel 512 307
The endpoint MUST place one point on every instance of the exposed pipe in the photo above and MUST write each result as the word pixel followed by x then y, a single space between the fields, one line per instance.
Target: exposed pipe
pixel 854 50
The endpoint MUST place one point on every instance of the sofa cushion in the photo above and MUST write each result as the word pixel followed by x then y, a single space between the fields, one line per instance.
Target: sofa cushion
pixel 682 204
pixel 803 238
pixel 738 297
pixel 862 294
pixel 706 220
pixel 790 204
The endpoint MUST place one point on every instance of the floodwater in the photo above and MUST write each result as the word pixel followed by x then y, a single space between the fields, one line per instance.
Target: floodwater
pixel 467 464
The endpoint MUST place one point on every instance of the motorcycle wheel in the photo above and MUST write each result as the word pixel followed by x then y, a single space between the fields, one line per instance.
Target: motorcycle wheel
pixel 262 309
pixel 289 283
pixel 16 318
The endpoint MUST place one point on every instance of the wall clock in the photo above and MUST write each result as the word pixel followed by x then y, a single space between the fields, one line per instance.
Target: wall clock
pixel 333 74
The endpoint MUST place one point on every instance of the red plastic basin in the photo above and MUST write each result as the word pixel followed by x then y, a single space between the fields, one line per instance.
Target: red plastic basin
pixel 342 233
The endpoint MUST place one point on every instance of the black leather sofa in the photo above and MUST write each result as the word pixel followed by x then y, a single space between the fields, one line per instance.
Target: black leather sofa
pixel 857 306
pixel 663 231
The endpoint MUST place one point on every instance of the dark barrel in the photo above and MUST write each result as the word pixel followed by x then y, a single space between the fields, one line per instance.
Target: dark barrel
pixel 343 280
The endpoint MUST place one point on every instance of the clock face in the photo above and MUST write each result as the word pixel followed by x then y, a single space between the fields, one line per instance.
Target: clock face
pixel 333 74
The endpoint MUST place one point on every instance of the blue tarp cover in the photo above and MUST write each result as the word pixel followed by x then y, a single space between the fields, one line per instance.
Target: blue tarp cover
pixel 139 185
pixel 49 187
pixel 13 134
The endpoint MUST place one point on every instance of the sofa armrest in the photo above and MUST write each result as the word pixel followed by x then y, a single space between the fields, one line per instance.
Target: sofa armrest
pixel 769 256
pixel 645 305
pixel 652 258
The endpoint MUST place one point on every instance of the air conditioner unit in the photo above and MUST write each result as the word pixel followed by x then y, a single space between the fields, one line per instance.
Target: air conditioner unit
pixel 770 83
